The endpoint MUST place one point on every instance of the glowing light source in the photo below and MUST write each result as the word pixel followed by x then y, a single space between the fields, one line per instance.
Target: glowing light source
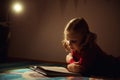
pixel 17 7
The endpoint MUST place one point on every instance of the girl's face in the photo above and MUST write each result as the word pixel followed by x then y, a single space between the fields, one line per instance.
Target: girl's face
pixel 74 42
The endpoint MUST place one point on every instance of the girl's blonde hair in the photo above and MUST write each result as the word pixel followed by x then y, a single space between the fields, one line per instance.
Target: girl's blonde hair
pixel 77 26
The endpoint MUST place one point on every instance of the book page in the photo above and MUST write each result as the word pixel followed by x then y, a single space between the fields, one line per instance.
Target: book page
pixel 53 71
pixel 56 68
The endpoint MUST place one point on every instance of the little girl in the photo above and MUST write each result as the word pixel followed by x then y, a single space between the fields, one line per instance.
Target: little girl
pixel 85 56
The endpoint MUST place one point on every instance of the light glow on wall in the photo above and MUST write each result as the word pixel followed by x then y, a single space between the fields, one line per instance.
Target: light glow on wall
pixel 17 7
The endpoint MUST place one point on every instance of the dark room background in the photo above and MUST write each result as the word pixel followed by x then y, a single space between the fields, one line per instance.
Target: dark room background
pixel 37 32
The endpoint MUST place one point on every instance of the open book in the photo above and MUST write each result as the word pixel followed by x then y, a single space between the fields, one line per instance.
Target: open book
pixel 53 71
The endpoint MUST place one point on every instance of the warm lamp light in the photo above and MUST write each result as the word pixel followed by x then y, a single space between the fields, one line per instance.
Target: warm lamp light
pixel 17 7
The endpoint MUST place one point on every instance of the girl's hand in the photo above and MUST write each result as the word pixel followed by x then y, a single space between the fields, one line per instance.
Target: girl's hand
pixel 74 67
pixel 69 57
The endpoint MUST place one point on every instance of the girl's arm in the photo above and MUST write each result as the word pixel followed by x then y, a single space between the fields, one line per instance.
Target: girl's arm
pixel 72 65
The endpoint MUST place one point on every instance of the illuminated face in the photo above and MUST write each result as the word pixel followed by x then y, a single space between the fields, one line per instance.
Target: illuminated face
pixel 74 42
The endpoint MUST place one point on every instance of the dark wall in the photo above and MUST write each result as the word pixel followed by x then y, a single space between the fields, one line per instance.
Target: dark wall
pixel 4 30
pixel 3 43
pixel 3 10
